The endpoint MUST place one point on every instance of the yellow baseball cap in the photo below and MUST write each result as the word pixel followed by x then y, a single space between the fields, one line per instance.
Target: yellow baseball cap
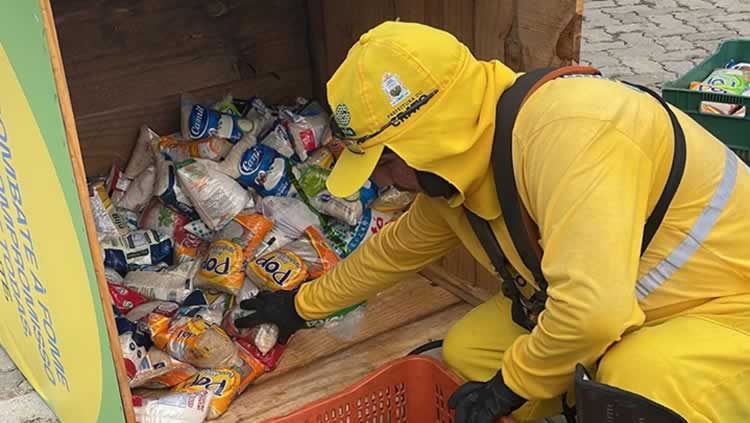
pixel 389 80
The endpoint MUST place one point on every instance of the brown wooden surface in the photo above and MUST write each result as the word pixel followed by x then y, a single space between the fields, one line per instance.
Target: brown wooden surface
pixel 469 291
pixel 409 301
pixel 80 178
pixel 128 61
pixel 103 134
pixel 331 374
pixel 523 34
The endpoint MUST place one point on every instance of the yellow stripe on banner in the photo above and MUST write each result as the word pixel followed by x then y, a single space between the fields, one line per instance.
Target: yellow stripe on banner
pixel 46 305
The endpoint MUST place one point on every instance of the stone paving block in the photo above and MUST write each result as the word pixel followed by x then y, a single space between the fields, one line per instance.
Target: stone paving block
pixel 596 47
pixel 676 30
pixel 732 17
pixel 693 16
pixel 601 60
pixel 696 4
pixel 638 52
pixel 675 43
pixel 741 27
pixel 665 20
pixel 627 18
pixel 662 3
pixel 597 19
pixel 639 40
pixel 29 408
pixel 638 9
pixel 617 29
pixel 6 364
pixel 713 36
pixel 694 53
pixel 599 4
pixel 664 10
pixel 598 36
pixel 680 68
pixel 644 65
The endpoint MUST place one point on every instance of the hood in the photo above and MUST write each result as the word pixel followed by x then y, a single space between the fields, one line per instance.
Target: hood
pixel 454 138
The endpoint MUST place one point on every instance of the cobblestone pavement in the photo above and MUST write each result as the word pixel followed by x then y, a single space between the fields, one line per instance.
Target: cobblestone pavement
pixel 652 41
pixel 643 41
pixel 18 401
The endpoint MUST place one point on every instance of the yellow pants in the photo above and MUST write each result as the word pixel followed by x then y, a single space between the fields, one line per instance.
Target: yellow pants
pixel 697 365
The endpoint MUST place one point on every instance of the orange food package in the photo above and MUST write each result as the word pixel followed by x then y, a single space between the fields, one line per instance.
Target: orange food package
pixel 212 148
pixel 197 342
pixel 224 266
pixel 308 257
pixel 165 372
pixel 248 230
pixel 222 269
pixel 224 383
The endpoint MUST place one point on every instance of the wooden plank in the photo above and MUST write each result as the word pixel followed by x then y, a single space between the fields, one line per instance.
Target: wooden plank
pixel 128 54
pixel 411 300
pixel 487 281
pixel 493 20
pixel 467 265
pixel 108 136
pixel 458 19
pixel 332 374
pixel 74 148
pixel 316 41
pixel 541 35
pixel 462 288
pixel 409 10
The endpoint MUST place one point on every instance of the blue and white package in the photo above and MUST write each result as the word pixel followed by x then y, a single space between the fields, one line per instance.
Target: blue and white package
pixel 349 210
pixel 279 139
pixel 169 191
pixel 263 169
pixel 136 249
pixel 345 239
pixel 205 122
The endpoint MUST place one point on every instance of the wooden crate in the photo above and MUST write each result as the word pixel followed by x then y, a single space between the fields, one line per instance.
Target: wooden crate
pixel 128 61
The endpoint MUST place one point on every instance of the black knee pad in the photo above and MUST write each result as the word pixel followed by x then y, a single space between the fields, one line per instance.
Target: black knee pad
pixel 600 403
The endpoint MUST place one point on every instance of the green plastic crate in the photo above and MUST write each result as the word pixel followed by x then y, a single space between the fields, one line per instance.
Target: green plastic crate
pixel 733 131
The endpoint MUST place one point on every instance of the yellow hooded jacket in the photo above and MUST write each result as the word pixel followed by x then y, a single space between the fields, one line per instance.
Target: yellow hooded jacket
pixel 591 157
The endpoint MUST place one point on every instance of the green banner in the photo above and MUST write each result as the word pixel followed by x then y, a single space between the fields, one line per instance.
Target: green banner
pixel 53 321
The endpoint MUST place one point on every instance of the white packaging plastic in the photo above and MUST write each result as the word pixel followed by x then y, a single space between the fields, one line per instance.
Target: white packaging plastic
pixel 166 284
pixel 231 164
pixel 136 249
pixel 216 197
pixel 306 128
pixel 141 157
pixel 186 106
pixel 279 139
pixel 290 216
pixel 101 207
pixel 139 191
pixel 198 228
pixel 178 407
pixel 265 336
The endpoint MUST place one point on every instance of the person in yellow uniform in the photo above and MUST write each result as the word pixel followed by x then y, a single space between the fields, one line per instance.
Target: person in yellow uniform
pixel 590 160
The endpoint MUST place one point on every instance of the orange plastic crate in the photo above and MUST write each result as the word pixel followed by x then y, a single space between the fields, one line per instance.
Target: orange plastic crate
pixel 413 389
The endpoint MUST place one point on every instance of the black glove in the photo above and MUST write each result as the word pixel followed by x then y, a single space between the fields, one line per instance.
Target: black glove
pixel 477 402
pixel 272 307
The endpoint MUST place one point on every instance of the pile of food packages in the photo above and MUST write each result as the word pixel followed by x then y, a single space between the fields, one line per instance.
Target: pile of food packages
pixel 732 79
pixel 200 220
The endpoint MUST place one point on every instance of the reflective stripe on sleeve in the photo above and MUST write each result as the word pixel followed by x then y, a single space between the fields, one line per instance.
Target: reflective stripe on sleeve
pixel 652 280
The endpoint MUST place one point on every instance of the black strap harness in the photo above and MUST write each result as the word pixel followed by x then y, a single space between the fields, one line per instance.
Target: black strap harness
pixel 526 310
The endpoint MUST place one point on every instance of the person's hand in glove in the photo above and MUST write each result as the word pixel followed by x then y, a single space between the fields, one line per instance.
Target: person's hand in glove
pixel 477 402
pixel 272 307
